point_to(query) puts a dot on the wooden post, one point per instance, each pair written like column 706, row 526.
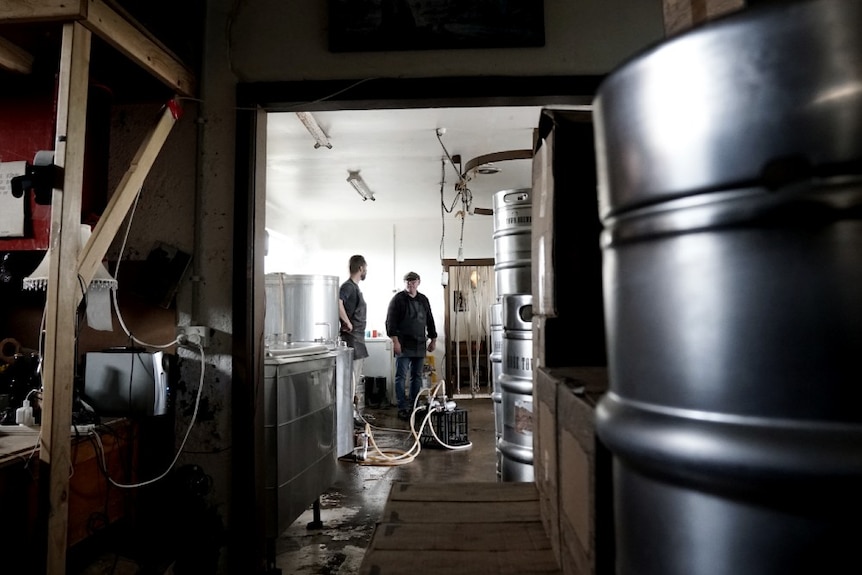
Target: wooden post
column 63, row 294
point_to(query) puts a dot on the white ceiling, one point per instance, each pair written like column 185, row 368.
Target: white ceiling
column 399, row 155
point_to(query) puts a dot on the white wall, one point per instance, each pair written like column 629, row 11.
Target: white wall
column 391, row 248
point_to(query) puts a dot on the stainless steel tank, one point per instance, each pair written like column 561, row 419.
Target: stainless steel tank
column 730, row 184
column 513, row 217
column 299, row 435
column 303, row 306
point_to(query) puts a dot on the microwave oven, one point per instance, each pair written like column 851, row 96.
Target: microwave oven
column 126, row 382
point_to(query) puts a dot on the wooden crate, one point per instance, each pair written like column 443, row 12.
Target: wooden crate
column 584, row 475
column 545, row 456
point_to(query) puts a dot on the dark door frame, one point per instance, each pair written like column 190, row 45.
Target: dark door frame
column 248, row 543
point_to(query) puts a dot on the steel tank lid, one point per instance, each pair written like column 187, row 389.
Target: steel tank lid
column 760, row 97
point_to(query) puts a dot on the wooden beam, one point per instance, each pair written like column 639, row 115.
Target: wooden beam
column 15, row 59
column 63, row 290
column 126, row 37
column 118, row 30
column 124, row 196
column 42, row 10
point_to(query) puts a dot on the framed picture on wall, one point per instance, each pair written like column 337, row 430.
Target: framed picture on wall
column 377, row 25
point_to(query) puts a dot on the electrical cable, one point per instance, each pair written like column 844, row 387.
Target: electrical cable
column 438, row 132
column 393, row 457
column 101, row 450
column 117, row 277
column 442, row 207
column 96, row 437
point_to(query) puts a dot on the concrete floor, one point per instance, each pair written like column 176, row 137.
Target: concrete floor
column 350, row 508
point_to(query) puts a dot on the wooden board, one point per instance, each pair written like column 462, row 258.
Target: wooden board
column 460, row 563
column 461, row 528
column 496, row 537
column 464, row 492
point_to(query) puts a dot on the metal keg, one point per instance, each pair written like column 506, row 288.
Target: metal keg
column 496, row 359
column 516, row 386
column 513, row 218
column 730, row 189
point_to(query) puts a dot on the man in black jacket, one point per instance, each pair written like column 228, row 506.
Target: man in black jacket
column 410, row 325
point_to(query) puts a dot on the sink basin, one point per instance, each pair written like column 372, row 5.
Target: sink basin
column 298, row 348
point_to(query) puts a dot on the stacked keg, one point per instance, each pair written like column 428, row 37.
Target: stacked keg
column 496, row 357
column 513, row 275
column 733, row 271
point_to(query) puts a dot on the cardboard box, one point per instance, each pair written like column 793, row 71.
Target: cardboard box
column 565, row 236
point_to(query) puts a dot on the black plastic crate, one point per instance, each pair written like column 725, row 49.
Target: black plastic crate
column 450, row 427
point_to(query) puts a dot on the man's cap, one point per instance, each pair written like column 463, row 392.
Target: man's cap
column 410, row 276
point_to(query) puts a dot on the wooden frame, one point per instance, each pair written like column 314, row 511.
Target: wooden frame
column 80, row 20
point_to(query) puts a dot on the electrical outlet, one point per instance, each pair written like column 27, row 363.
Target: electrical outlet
column 192, row 335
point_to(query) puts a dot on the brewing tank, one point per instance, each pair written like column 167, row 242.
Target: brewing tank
column 303, row 306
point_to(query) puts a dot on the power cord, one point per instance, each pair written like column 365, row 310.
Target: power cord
column 101, row 451
column 390, row 456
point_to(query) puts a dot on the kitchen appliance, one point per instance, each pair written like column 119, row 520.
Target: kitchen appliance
column 126, row 382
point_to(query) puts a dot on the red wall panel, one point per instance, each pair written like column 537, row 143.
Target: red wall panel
column 27, row 126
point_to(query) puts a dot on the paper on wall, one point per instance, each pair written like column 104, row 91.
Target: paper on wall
column 11, row 208
column 99, row 308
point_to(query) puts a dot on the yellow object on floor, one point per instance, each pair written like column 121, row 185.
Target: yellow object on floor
column 430, row 368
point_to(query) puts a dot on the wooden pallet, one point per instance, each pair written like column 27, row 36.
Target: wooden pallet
column 461, row 529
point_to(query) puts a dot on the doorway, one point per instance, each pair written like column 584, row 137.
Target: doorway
column 254, row 102
column 469, row 294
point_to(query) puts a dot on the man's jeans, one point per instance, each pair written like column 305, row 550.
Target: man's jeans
column 408, row 367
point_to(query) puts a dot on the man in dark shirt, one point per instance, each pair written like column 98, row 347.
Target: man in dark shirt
column 410, row 325
column 352, row 313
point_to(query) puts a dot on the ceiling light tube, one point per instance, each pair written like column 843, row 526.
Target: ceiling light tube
column 360, row 186
column 320, row 137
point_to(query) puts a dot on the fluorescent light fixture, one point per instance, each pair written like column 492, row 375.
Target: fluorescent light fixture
column 360, row 186
column 320, row 137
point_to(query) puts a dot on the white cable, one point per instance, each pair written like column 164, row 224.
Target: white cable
column 117, row 277
column 401, row 457
column 101, row 450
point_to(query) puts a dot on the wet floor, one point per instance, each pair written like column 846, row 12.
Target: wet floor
column 350, row 509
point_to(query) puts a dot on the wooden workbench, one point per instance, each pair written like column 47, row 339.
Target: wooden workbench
column 93, row 503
